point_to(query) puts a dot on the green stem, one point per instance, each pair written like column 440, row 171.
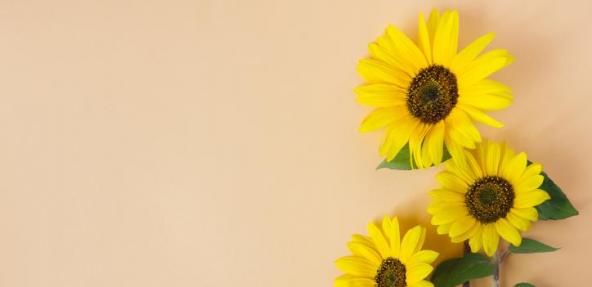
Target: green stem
column 497, row 260
column 466, row 250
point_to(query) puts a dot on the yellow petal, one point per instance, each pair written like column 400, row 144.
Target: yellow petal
column 410, row 242
column 462, row 225
column 363, row 239
column 397, row 137
column 508, row 232
column 485, row 65
column 435, row 143
column 513, row 170
column 465, row 57
column 454, row 149
column 493, row 158
column 380, row 118
column 468, row 234
column 433, row 24
column 405, row 49
column 507, row 156
column 476, row 241
column 376, row 71
column 415, row 144
column 443, row 206
column 486, row 86
column 530, row 198
column 530, row 183
column 531, row 170
column 392, row 235
column 380, row 95
column 461, row 129
column 518, row 222
column 356, row 266
column 348, row 280
column 418, row 273
column 459, row 167
column 383, row 52
column 481, row 155
column 490, row 239
column 365, row 251
column 486, row 95
column 447, row 195
column 443, row 229
column 529, row 213
column 487, row 102
column 451, row 181
column 449, row 216
column 464, row 126
column 425, row 152
column 379, row 240
column 480, row 116
column 424, row 39
column 385, row 45
column 395, row 237
column 421, row 241
column 423, row 256
column 475, row 166
column 446, row 39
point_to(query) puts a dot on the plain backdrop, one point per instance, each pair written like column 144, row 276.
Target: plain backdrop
column 214, row 142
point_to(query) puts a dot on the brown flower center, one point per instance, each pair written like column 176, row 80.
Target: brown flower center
column 391, row 273
column 432, row 94
column 490, row 198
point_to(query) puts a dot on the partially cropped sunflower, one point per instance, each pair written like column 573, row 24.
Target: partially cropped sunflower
column 383, row 260
column 427, row 94
column 487, row 193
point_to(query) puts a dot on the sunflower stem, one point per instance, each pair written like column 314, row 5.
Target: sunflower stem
column 497, row 260
column 466, row 250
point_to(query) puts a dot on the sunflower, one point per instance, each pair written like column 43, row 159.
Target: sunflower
column 427, row 95
column 383, row 260
column 489, row 192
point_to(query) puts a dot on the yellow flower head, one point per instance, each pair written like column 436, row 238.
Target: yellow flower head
column 383, row 260
column 487, row 193
column 427, row 94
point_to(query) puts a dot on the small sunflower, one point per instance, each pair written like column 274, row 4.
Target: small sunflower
column 487, row 193
column 383, row 260
column 427, row 95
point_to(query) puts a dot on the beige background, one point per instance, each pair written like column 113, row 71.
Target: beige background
column 215, row 143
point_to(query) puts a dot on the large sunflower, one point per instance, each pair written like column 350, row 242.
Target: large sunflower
column 487, row 193
column 383, row 260
column 427, row 95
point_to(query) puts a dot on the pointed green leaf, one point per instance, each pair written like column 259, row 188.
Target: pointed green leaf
column 524, row 284
column 558, row 207
column 531, row 246
column 403, row 160
column 459, row 270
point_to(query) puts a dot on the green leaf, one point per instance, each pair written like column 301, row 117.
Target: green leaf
column 531, row 246
column 459, row 270
column 524, row 284
column 403, row 160
column 558, row 207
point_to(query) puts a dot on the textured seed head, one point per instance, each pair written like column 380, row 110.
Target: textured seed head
column 391, row 273
column 432, row 94
column 489, row 199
